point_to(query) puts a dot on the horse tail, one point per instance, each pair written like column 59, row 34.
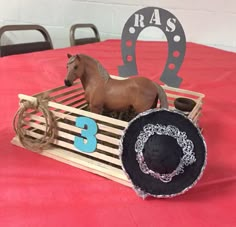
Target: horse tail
column 161, row 95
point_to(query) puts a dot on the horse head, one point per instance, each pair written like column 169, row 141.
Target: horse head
column 75, row 69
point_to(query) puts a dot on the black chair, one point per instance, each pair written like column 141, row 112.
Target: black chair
column 21, row 48
column 80, row 41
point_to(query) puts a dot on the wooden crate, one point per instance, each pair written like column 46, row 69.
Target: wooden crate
column 66, row 104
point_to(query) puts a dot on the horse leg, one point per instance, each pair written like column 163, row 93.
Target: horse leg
column 144, row 105
column 95, row 109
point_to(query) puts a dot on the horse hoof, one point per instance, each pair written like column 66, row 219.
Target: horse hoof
column 184, row 104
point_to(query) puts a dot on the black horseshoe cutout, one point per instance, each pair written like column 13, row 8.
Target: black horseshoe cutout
column 170, row 25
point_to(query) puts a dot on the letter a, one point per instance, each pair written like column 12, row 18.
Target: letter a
column 138, row 21
column 155, row 17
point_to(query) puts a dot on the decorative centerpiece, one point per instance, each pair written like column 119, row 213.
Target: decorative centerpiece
column 130, row 130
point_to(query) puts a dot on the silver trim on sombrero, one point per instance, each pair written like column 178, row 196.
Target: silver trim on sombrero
column 187, row 146
column 137, row 189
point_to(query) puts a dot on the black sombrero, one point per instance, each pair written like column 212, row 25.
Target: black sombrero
column 163, row 153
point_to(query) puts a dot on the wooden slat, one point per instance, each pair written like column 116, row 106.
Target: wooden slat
column 172, row 97
column 74, row 102
column 54, row 90
column 69, row 98
column 82, row 105
column 195, row 109
column 84, row 163
column 100, row 126
column 70, row 146
column 118, row 77
column 99, row 136
column 196, row 117
column 76, row 90
column 183, row 91
column 90, row 114
column 77, row 111
column 71, row 128
column 71, row 137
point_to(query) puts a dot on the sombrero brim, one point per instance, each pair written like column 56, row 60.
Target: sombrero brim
column 145, row 184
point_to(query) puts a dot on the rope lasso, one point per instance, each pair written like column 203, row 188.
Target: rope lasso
column 23, row 134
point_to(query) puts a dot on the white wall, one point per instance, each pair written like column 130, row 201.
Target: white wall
column 211, row 22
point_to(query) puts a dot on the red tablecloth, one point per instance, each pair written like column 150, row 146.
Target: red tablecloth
column 38, row 191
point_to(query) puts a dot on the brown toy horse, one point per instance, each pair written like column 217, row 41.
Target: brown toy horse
column 104, row 93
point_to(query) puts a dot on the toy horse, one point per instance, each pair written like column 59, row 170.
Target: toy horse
column 105, row 93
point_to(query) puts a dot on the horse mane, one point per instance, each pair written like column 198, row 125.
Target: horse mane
column 102, row 71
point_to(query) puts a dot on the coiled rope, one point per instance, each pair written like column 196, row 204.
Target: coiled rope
column 23, row 133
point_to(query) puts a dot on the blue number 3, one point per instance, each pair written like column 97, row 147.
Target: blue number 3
column 89, row 133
